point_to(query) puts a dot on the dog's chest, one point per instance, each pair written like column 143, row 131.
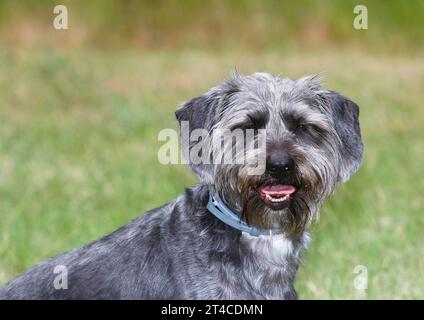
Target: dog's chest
column 268, row 269
column 273, row 249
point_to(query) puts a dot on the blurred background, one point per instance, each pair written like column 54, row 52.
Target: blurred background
column 80, row 111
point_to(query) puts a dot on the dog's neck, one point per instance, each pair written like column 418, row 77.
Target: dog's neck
column 217, row 206
column 276, row 249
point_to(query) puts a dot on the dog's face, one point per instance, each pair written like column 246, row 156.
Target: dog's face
column 312, row 137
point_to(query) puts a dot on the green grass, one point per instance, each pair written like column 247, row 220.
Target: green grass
column 394, row 25
column 78, row 155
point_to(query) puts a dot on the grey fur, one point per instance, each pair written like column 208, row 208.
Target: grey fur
column 181, row 251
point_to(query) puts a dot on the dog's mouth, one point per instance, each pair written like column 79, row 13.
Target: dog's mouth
column 276, row 196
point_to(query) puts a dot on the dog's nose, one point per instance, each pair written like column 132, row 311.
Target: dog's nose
column 279, row 163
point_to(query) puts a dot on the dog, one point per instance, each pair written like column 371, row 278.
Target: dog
column 234, row 235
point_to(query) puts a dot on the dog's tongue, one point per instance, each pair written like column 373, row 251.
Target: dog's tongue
column 277, row 190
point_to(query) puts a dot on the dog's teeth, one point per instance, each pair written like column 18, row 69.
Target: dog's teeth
column 270, row 198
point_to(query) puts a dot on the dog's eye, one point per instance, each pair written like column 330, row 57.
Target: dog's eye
column 302, row 127
column 252, row 123
column 310, row 132
column 308, row 128
column 246, row 125
column 292, row 124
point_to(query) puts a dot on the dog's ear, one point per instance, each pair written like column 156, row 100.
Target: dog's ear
column 198, row 112
column 346, row 122
column 202, row 113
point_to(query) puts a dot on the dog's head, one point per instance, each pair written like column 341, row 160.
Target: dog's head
column 312, row 142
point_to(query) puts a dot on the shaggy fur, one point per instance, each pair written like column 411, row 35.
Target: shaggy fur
column 182, row 251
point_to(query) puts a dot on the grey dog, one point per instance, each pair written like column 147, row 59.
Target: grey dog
column 233, row 235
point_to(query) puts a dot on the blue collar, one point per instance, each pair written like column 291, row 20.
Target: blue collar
column 220, row 210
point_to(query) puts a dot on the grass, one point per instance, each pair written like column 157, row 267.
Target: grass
column 394, row 25
column 78, row 155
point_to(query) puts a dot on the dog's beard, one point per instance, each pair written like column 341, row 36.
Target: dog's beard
column 292, row 219
column 241, row 194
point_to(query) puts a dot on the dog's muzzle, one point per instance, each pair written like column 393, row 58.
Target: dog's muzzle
column 276, row 192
